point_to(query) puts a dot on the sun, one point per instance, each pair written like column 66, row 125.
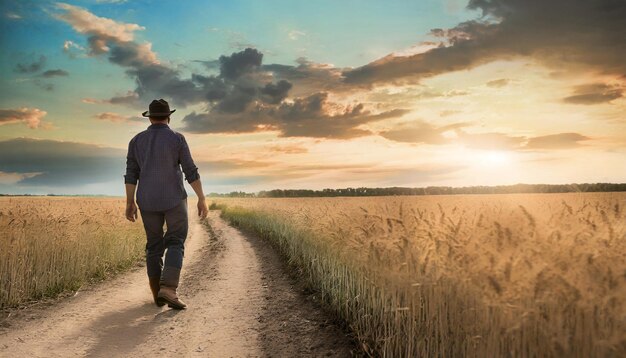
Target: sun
column 494, row 158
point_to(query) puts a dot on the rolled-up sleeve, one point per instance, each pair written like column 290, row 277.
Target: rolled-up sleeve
column 186, row 162
column 132, row 167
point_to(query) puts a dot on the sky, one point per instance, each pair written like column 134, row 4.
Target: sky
column 315, row 94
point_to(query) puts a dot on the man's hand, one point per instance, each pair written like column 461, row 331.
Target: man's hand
column 203, row 211
column 131, row 211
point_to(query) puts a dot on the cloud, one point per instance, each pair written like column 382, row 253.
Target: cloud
column 240, row 63
column 274, row 93
column 73, row 49
column 12, row 178
column 309, row 77
column 12, row 16
column 116, row 40
column 287, row 149
column 426, row 133
column 99, row 29
column 295, row 34
column 31, row 67
column 245, row 96
column 91, row 101
column 559, row 33
column 498, row 83
column 556, row 141
column 116, row 117
column 312, row 116
column 449, row 112
column 61, row 164
column 55, row 73
column 595, row 93
column 43, row 85
column 420, row 132
column 32, row 117
column 131, row 99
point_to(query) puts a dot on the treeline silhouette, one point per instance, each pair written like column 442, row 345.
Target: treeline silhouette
column 432, row 190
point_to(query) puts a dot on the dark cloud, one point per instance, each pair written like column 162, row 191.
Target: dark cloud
column 210, row 64
column 237, row 99
column 31, row 67
column 239, row 63
column 240, row 84
column 558, row 33
column 240, row 101
column 311, row 116
column 274, row 93
column 594, row 94
column 309, row 77
column 61, row 164
column 245, row 96
column 55, row 73
column 254, row 121
column 556, row 141
column 130, row 99
column 158, row 81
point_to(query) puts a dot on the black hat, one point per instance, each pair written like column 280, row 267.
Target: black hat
column 158, row 108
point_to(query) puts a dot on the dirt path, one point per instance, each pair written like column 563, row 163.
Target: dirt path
column 241, row 304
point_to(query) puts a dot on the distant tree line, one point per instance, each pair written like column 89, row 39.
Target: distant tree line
column 433, row 190
column 234, row 194
column 430, row 190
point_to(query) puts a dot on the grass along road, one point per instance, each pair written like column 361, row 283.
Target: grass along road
column 241, row 303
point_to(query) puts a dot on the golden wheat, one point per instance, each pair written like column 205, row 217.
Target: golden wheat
column 468, row 275
column 49, row 245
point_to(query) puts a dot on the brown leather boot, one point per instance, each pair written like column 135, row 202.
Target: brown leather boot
column 154, row 287
column 169, row 284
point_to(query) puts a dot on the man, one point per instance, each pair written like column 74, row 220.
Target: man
column 155, row 157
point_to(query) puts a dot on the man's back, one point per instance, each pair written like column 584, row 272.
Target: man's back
column 154, row 158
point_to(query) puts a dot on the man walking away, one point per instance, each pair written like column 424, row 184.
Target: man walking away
column 155, row 157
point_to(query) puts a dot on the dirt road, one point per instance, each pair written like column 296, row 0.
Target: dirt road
column 241, row 304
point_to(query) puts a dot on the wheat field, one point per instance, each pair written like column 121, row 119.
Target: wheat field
column 520, row 275
column 50, row 244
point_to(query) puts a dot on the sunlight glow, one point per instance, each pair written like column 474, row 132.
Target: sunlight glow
column 495, row 158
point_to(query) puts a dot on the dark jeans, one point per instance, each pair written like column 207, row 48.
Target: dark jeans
column 173, row 240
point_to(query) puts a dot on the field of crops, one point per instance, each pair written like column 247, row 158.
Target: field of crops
column 467, row 275
column 49, row 245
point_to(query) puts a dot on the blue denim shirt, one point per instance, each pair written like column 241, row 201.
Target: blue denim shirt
column 155, row 157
